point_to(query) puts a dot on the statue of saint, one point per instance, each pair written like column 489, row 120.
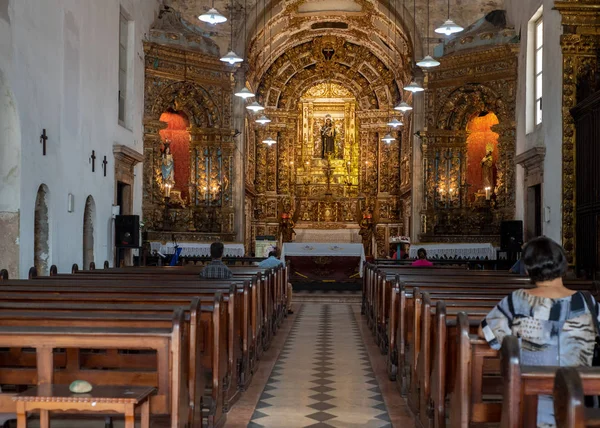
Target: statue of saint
column 168, row 165
column 328, row 134
column 487, row 171
column 286, row 228
column 367, row 229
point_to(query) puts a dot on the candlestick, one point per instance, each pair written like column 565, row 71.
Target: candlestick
column 488, row 193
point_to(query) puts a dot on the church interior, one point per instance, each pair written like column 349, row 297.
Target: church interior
column 365, row 177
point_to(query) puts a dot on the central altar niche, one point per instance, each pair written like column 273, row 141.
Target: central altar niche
column 327, row 152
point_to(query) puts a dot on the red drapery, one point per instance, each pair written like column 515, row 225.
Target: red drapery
column 481, row 135
column 177, row 133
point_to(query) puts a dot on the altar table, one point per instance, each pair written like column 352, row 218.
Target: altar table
column 451, row 251
column 318, row 261
column 197, row 249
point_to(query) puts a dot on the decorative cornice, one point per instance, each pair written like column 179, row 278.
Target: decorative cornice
column 127, row 154
column 532, row 158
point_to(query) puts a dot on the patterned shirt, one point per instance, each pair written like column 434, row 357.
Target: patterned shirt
column 551, row 332
column 216, row 270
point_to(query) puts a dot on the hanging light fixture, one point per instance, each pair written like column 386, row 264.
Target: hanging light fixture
column 244, row 93
column 255, row 107
column 263, row 120
column 428, row 61
column 449, row 27
column 403, row 107
column 414, row 87
column 269, row 141
column 394, row 123
column 231, row 57
column 388, row 138
column 212, row 16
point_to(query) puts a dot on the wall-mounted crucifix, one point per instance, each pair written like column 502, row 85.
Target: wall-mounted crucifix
column 43, row 139
column 104, row 162
column 93, row 160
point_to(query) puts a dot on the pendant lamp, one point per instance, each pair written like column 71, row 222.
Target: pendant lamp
column 244, row 93
column 403, row 107
column 414, row 87
column 388, row 138
column 231, row 58
column 428, row 62
column 255, row 107
column 394, row 123
column 449, row 27
column 269, row 141
column 263, row 120
column 212, row 16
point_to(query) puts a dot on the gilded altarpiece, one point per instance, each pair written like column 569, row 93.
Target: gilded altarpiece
column 324, row 185
column 468, row 146
column 196, row 203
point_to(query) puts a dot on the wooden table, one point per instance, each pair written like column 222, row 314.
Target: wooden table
column 108, row 399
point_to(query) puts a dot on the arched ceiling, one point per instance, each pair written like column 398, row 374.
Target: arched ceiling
column 285, row 15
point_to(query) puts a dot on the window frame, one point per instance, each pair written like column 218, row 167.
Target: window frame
column 538, row 71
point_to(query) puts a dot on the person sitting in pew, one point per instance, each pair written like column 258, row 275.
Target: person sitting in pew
column 554, row 324
column 271, row 262
column 216, row 269
column 422, row 260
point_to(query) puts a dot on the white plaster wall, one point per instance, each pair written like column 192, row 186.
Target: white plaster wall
column 62, row 65
column 549, row 133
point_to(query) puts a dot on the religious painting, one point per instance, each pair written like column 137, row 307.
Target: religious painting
column 329, row 137
column 482, row 156
column 175, row 155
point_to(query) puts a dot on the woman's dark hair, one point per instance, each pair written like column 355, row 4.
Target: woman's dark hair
column 421, row 253
column 544, row 259
column 216, row 250
column 273, row 253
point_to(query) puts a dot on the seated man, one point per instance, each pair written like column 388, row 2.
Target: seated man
column 271, row 262
column 216, row 269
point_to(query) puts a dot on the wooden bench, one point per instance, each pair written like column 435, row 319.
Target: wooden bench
column 168, row 378
column 119, row 399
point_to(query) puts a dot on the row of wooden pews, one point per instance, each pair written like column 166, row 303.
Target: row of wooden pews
column 425, row 321
column 196, row 341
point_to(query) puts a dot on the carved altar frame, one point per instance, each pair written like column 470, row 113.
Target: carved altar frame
column 201, row 87
column 465, row 85
column 580, row 44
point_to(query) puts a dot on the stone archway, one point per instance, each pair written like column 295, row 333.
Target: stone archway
column 89, row 216
column 41, row 256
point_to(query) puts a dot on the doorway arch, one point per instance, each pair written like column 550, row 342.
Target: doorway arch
column 89, row 215
column 41, row 256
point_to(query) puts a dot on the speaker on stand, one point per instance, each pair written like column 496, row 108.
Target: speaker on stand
column 511, row 238
column 127, row 234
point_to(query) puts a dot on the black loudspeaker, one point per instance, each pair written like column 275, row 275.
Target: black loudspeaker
column 511, row 236
column 127, row 231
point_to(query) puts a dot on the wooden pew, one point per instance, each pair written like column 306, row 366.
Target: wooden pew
column 168, row 343
column 522, row 385
column 568, row 393
column 217, row 359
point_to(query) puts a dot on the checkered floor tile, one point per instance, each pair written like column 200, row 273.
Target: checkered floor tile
column 323, row 377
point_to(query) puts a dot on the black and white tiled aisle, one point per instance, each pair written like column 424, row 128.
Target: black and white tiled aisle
column 323, row 377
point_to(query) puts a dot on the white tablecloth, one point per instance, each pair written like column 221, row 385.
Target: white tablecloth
column 324, row 250
column 464, row 251
column 196, row 249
